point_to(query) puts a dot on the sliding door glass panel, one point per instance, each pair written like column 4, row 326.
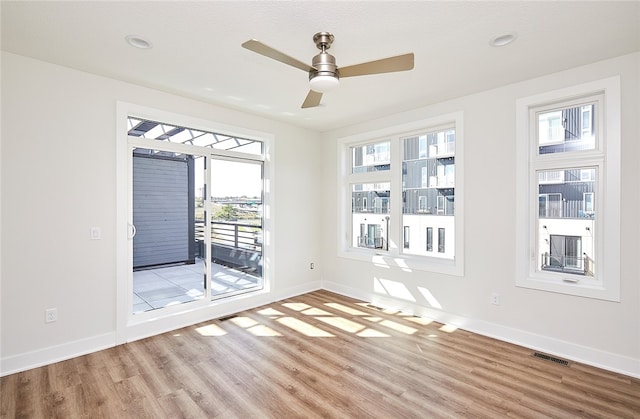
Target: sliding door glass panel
column 168, row 216
column 236, row 216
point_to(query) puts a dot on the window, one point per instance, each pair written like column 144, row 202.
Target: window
column 567, row 129
column 429, row 177
column 550, row 127
column 406, row 237
column 422, row 203
column 565, row 254
column 400, row 183
column 586, row 122
column 550, row 205
column 587, row 204
column 370, row 157
column 568, row 155
column 441, row 240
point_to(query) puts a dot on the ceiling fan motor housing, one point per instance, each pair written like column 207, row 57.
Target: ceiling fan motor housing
column 324, row 64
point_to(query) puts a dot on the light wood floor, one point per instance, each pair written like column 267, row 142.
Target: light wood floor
column 317, row 355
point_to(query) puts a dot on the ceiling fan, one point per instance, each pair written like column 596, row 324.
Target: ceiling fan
column 324, row 74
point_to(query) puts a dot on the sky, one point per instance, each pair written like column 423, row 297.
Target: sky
column 231, row 178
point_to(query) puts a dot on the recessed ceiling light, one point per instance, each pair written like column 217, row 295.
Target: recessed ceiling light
column 138, row 42
column 502, row 40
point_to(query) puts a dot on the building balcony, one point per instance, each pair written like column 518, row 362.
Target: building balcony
column 447, row 149
column 371, row 242
column 568, row 264
column 441, row 182
column 236, row 266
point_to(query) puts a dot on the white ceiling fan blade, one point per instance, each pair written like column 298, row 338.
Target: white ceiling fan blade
column 312, row 100
column 267, row 51
column 386, row 65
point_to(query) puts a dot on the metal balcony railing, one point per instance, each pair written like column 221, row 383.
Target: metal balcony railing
column 233, row 244
column 571, row 264
column 371, row 242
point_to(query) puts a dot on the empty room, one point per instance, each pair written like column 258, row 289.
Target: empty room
column 337, row 209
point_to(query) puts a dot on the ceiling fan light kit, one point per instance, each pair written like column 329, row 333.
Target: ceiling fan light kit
column 323, row 84
column 324, row 74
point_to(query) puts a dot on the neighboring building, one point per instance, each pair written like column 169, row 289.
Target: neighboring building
column 428, row 195
column 566, row 197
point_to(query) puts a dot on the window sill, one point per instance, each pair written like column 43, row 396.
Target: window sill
column 569, row 285
column 407, row 263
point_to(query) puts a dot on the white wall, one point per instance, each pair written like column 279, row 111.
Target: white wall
column 59, row 179
column 598, row 332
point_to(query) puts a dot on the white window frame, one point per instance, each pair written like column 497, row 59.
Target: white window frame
column 605, row 284
column 394, row 256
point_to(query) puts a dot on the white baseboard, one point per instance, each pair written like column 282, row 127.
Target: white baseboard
column 578, row 353
column 57, row 353
column 52, row 354
column 601, row 359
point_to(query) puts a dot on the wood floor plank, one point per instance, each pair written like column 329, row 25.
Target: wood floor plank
column 318, row 355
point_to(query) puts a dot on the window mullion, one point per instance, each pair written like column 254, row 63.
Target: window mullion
column 395, row 224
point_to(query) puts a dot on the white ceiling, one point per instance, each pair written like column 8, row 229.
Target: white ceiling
column 197, row 50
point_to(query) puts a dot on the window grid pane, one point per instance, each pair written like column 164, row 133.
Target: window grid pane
column 569, row 129
column 371, row 157
column 428, row 189
column 566, row 220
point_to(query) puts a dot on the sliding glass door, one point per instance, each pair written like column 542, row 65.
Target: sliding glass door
column 196, row 218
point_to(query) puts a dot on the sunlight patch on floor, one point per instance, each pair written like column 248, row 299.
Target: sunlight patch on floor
column 449, row 328
column 263, row 331
column 211, row 330
column 296, row 306
column 316, row 312
column 342, row 323
column 243, row 322
column 372, row 333
column 345, row 309
column 304, row 328
column 398, row 327
column 272, row 312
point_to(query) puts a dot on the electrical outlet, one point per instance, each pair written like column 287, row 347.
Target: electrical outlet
column 312, row 265
column 495, row 299
column 51, row 315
